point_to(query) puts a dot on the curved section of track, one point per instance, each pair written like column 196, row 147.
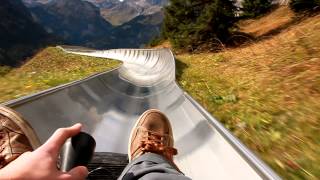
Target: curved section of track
column 142, row 67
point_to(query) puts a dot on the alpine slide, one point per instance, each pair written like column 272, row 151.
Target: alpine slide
column 107, row 104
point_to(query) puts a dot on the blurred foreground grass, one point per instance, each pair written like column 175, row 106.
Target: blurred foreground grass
column 268, row 94
column 49, row 68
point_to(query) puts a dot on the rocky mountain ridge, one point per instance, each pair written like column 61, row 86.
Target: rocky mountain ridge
column 117, row 12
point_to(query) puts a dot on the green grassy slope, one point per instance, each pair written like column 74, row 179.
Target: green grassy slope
column 267, row 93
column 49, row 68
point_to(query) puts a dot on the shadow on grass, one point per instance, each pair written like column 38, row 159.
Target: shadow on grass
column 239, row 38
column 279, row 29
column 180, row 67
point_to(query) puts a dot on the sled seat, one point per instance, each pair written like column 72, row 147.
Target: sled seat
column 111, row 165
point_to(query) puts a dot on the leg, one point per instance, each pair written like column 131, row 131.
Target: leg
column 151, row 166
column 151, row 150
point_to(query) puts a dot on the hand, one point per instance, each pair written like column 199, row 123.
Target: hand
column 42, row 162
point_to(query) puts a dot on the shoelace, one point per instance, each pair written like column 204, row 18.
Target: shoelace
column 153, row 142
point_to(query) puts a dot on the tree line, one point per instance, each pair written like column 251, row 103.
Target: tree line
column 189, row 24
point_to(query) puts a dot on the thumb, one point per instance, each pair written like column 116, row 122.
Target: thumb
column 79, row 172
column 56, row 141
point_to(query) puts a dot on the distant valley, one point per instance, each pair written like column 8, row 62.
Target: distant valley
column 117, row 12
column 100, row 23
column 27, row 25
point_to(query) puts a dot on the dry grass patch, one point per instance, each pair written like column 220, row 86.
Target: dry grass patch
column 279, row 18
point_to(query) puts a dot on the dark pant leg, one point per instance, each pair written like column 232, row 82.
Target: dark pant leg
column 151, row 166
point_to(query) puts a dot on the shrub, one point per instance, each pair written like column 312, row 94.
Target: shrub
column 254, row 8
column 190, row 23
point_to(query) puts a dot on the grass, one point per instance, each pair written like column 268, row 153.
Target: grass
column 49, row 68
column 267, row 94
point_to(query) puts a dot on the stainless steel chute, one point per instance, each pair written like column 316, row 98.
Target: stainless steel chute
column 107, row 104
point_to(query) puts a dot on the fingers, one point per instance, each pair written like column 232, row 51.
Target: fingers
column 80, row 172
column 56, row 141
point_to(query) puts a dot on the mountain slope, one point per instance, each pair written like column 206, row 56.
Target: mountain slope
column 90, row 29
column 266, row 92
column 143, row 28
column 77, row 22
column 19, row 34
column 119, row 12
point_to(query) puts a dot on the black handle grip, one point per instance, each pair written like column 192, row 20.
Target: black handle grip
column 77, row 151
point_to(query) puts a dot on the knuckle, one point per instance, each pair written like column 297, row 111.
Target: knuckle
column 61, row 131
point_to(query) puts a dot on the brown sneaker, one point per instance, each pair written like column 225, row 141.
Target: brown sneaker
column 152, row 133
column 16, row 136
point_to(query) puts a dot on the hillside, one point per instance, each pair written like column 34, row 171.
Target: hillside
column 274, row 22
column 119, row 12
column 20, row 36
column 143, row 28
column 266, row 92
column 62, row 18
column 49, row 68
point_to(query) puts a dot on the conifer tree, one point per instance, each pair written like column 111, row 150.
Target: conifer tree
column 190, row 23
column 254, row 8
column 302, row 5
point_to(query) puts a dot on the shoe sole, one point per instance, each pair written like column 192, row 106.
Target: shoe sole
column 136, row 125
column 23, row 125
